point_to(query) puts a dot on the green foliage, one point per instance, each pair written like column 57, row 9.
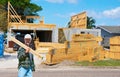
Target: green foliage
column 90, row 22
column 22, row 7
column 68, row 24
column 2, row 2
column 99, row 63
column 3, row 19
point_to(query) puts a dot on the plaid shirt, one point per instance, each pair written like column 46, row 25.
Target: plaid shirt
column 25, row 59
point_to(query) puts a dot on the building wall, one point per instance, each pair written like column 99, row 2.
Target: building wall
column 106, row 37
column 68, row 32
column 71, row 31
column 55, row 35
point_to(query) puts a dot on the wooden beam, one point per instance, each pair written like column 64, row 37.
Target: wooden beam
column 37, row 17
column 32, row 26
column 25, row 47
column 15, row 16
column 54, row 45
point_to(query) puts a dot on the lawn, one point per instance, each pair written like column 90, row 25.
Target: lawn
column 109, row 62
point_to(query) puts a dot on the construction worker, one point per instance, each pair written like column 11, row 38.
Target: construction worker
column 26, row 61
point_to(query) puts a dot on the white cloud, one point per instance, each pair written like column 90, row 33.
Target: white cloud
column 62, row 1
column 113, row 13
column 65, row 15
column 106, row 17
column 94, row 14
column 61, row 15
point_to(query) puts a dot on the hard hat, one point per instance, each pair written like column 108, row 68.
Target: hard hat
column 27, row 36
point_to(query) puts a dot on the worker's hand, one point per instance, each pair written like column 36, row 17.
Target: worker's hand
column 27, row 50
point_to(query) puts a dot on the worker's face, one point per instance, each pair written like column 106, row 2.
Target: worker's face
column 27, row 41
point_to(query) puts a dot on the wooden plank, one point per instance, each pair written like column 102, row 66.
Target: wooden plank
column 115, row 40
column 115, row 48
column 25, row 47
column 79, row 20
column 115, row 44
column 37, row 17
column 43, row 50
column 54, row 45
column 14, row 12
column 15, row 16
column 32, row 26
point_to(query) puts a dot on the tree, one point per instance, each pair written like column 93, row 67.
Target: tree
column 22, row 7
column 68, row 24
column 90, row 22
column 3, row 19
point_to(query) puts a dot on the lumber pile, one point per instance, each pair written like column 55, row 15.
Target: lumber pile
column 57, row 51
column 115, row 44
column 114, row 47
column 82, row 47
column 85, row 47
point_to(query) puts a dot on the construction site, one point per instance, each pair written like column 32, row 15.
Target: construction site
column 54, row 45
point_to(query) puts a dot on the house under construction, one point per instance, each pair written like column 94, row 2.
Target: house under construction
column 46, row 32
column 58, row 44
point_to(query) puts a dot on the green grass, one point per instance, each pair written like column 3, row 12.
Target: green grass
column 99, row 63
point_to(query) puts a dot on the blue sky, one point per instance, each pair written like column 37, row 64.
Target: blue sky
column 59, row 12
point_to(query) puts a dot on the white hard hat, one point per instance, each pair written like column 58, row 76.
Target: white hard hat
column 27, row 36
